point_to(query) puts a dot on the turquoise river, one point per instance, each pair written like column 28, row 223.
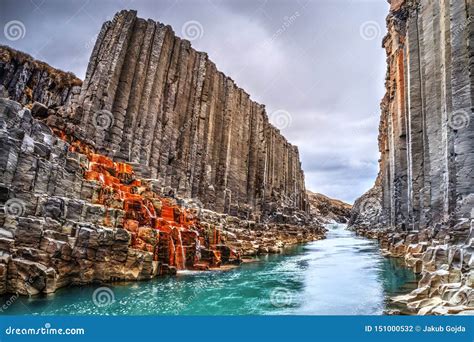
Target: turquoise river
column 341, row 275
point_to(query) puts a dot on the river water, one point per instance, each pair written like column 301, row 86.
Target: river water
column 341, row 275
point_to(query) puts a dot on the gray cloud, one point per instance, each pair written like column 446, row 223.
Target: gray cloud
column 308, row 58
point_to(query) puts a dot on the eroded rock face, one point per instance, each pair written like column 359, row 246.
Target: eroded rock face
column 73, row 216
column 421, row 207
column 167, row 108
column 328, row 209
column 426, row 137
column 27, row 80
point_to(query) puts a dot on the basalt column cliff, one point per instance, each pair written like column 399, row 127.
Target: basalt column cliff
column 421, row 207
column 101, row 179
column 426, row 135
column 171, row 111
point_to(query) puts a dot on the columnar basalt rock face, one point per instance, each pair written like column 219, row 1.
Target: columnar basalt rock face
column 421, row 207
column 184, row 122
column 73, row 216
column 96, row 180
column 27, row 80
column 426, row 135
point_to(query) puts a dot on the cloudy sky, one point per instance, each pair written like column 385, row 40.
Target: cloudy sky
column 318, row 65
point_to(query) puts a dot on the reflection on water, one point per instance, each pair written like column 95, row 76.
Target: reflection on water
column 343, row 274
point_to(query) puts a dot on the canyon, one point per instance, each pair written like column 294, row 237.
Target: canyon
column 155, row 163
column 421, row 206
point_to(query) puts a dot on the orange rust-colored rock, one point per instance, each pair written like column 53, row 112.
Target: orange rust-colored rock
column 148, row 217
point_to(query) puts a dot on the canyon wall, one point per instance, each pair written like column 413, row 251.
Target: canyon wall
column 426, row 133
column 101, row 179
column 72, row 216
column 421, row 206
column 150, row 99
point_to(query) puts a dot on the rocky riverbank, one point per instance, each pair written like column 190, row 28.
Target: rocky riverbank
column 447, row 278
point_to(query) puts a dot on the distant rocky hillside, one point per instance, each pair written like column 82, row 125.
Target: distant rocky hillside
column 325, row 208
column 25, row 80
column 367, row 210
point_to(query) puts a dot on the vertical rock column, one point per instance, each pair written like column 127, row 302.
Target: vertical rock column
column 426, row 135
column 172, row 113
